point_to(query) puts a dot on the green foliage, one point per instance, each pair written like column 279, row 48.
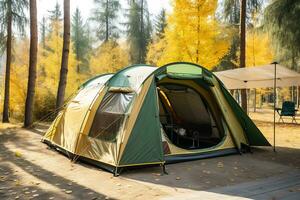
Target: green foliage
column 231, row 10
column 105, row 15
column 81, row 42
column 160, row 23
column 43, row 30
column 17, row 10
column 56, row 13
column 282, row 20
column 139, row 30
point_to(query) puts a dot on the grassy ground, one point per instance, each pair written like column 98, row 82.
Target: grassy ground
column 30, row 170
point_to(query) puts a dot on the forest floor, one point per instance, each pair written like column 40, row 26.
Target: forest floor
column 30, row 170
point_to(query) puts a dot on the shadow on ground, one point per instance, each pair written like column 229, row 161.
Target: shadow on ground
column 12, row 187
column 215, row 175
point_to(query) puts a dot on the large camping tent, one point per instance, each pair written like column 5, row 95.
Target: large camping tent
column 145, row 115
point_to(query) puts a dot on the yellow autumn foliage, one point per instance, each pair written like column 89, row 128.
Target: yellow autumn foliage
column 48, row 69
column 108, row 58
column 18, row 79
column 258, row 49
column 49, row 62
column 193, row 34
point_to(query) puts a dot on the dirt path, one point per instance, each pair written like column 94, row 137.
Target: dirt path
column 29, row 170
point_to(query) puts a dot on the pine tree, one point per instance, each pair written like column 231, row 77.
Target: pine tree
column 105, row 15
column 55, row 14
column 81, row 41
column 139, row 30
column 43, row 30
column 161, row 23
column 11, row 15
column 55, row 17
column 282, row 20
column 238, row 11
column 231, row 16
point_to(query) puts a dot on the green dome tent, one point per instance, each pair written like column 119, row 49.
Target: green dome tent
column 145, row 115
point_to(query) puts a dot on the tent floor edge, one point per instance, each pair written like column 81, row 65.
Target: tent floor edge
column 64, row 152
column 101, row 165
column 171, row 159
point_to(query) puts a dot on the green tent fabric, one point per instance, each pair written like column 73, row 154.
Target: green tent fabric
column 254, row 135
column 145, row 137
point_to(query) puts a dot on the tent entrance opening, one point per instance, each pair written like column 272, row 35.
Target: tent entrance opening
column 187, row 118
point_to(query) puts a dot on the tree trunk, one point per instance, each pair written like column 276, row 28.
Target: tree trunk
column 32, row 65
column 243, row 49
column 141, row 60
column 65, row 57
column 106, row 22
column 5, row 118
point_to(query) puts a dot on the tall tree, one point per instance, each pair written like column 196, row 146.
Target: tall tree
column 43, row 30
column 243, row 49
column 81, row 41
column 55, row 14
column 11, row 15
column 65, row 57
column 282, row 20
column 138, row 30
column 161, row 23
column 105, row 15
column 238, row 12
column 32, row 64
column 55, row 17
column 193, row 35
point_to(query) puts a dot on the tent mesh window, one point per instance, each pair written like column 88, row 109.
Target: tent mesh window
column 110, row 115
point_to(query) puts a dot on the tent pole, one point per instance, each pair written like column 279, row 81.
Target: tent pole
column 298, row 99
column 274, row 109
column 254, row 102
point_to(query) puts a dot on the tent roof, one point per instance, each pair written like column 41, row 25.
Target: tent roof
column 258, row 77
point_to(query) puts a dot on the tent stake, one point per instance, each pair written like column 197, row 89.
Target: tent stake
column 163, row 169
column 274, row 99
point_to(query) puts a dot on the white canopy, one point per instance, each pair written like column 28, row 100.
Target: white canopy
column 258, row 77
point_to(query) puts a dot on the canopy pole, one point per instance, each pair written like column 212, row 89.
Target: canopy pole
column 254, row 101
column 274, row 109
column 298, row 99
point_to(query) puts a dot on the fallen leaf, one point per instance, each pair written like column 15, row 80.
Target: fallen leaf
column 69, row 191
column 220, row 165
column 18, row 154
